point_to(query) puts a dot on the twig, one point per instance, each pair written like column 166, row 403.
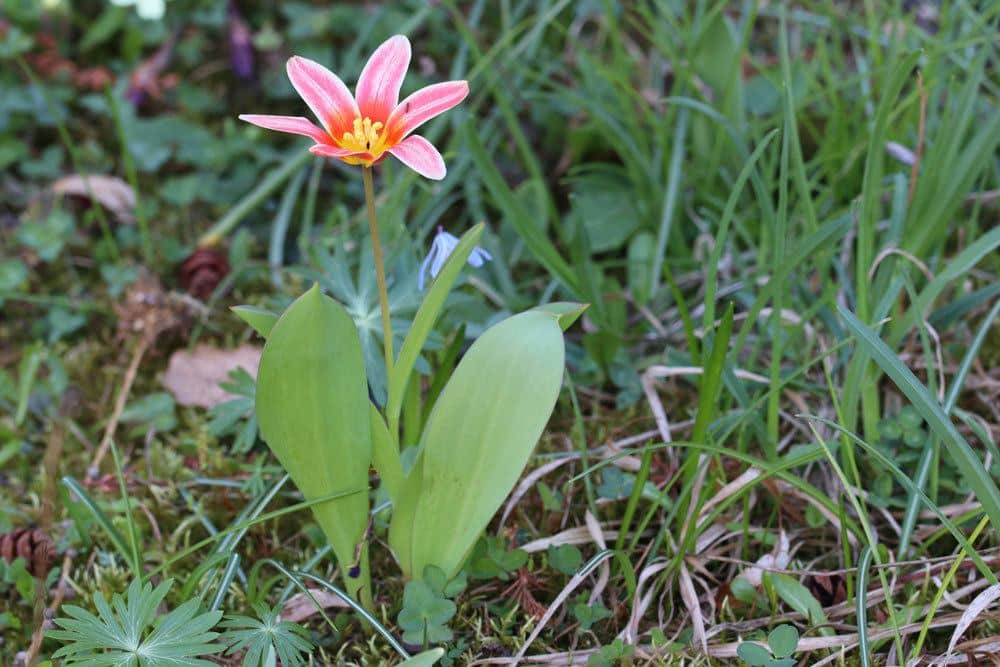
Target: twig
column 123, row 393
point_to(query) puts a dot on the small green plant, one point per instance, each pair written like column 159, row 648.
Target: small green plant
column 491, row 559
column 565, row 558
column 428, row 606
column 425, row 615
column 265, row 636
column 588, row 614
column 615, row 653
column 781, row 643
column 129, row 632
column 236, row 416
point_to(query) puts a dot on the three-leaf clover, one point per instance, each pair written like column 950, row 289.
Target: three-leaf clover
column 259, row 636
column 781, row 642
column 425, row 615
column 128, row 632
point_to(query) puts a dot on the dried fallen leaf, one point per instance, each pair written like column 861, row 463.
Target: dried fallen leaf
column 300, row 606
column 193, row 377
column 110, row 192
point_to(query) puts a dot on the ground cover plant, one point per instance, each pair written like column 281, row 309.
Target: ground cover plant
column 674, row 341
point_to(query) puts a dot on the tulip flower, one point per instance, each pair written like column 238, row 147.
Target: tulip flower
column 365, row 128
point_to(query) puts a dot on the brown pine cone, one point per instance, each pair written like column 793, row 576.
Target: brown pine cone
column 202, row 271
column 31, row 544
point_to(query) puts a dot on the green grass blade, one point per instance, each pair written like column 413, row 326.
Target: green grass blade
column 971, row 467
column 861, row 606
column 102, row 519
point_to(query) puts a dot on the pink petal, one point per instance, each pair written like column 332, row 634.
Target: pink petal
column 420, row 155
column 382, row 77
column 325, row 94
column 292, row 124
column 424, row 104
column 326, row 150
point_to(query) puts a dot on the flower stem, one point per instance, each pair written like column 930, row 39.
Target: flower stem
column 383, row 293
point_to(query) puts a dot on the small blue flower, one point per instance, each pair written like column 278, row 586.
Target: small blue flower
column 441, row 248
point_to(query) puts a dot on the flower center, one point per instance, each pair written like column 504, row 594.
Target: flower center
column 365, row 138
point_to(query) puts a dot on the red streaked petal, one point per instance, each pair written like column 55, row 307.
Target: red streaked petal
column 378, row 86
column 325, row 94
column 420, row 155
column 291, row 124
column 424, row 104
column 326, row 150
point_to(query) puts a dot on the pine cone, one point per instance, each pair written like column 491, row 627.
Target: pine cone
column 31, row 544
column 202, row 272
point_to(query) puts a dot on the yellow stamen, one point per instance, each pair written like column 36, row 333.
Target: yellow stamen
column 365, row 138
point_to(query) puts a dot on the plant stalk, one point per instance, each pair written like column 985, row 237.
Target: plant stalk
column 383, row 293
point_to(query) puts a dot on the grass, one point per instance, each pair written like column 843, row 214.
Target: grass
column 789, row 360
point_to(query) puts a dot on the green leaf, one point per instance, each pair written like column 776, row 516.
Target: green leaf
column 313, row 411
column 783, row 640
column 479, row 436
column 798, row 597
column 490, row 559
column 385, row 455
column 129, row 632
column 567, row 311
column 425, row 614
column 425, row 659
column 439, row 583
column 424, row 321
column 259, row 319
column 753, row 654
column 587, row 614
column 965, row 459
column 257, row 637
column 565, row 558
column 102, row 519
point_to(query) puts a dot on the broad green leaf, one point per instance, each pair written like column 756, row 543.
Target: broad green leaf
column 385, row 455
column 424, row 321
column 567, row 311
column 404, row 507
column 262, row 321
column 313, row 410
column 479, row 436
column 969, row 465
column 425, row 659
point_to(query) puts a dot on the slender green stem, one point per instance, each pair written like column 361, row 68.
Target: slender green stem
column 383, row 293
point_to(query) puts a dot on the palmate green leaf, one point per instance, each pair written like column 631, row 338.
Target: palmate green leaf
column 312, row 408
column 259, row 636
column 127, row 633
column 477, row 440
